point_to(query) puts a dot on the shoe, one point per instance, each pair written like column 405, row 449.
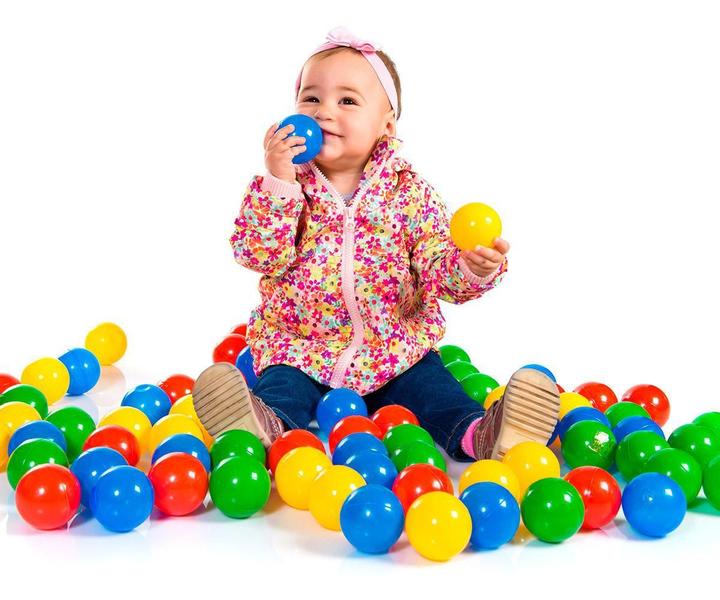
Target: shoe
column 223, row 401
column 527, row 411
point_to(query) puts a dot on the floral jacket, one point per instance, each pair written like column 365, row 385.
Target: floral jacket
column 349, row 292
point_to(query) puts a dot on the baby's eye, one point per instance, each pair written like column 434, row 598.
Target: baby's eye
column 310, row 98
column 348, row 98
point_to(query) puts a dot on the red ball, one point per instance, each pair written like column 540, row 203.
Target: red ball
column 180, row 483
column 560, row 388
column 294, row 438
column 115, row 437
column 351, row 424
column 391, row 415
column 652, row 399
column 600, row 494
column 48, row 496
column 229, row 348
column 240, row 329
column 176, row 386
column 599, row 394
column 418, row 479
column 6, row 381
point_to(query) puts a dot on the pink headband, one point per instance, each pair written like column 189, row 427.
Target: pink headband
column 340, row 36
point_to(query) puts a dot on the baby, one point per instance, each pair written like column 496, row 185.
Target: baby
column 355, row 252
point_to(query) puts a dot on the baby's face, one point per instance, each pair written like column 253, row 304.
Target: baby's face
column 352, row 119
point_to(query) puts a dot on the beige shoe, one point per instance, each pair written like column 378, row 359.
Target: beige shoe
column 223, row 401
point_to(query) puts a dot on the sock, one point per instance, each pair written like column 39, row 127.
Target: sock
column 467, row 439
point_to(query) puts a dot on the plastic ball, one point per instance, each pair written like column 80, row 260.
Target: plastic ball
column 245, row 364
column 418, row 479
column 289, row 440
column 12, row 416
column 132, row 419
column 600, row 494
column 631, row 424
column 28, row 394
column 475, row 224
column 185, row 406
column 150, row 399
column 652, row 399
column 570, row 401
column 582, row 413
column 531, row 461
column 679, row 466
column 237, row 442
column 6, row 381
column 90, row 465
column 180, row 483
column 177, row 386
column 351, row 424
column 375, row 467
column 241, row 329
column 494, row 396
column 372, row 519
column 48, row 496
column 589, row 443
column 240, row 486
column 711, row 482
column 495, row 514
column 711, row 420
column 122, row 498
column 450, row 353
column 419, row 452
column 635, row 450
column 478, row 386
column 107, row 342
column 308, row 128
column 329, row 491
column 403, row 435
column 183, row 442
column 171, row 425
column 654, row 505
column 391, row 415
column 30, row 454
column 115, row 437
column 229, row 348
column 552, row 510
column 492, row 471
column 337, row 404
column 84, row 369
column 438, row 526
column 542, row 369
column 50, row 376
column 295, row 473
column 622, row 410
column 702, row 443
column 460, row 369
column 600, row 395
column 357, row 443
column 34, row 430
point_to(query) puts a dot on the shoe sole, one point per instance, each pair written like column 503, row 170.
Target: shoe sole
column 530, row 411
column 222, row 400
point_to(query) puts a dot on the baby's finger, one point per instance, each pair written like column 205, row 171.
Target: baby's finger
column 474, row 258
column 489, row 253
column 269, row 133
column 501, row 245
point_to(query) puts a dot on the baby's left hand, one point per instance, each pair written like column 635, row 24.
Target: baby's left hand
column 484, row 261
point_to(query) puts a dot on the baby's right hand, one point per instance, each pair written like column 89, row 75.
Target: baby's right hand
column 279, row 151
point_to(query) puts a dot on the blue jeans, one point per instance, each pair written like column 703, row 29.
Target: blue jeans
column 427, row 388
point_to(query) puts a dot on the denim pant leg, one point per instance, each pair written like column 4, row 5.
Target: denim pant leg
column 441, row 405
column 291, row 393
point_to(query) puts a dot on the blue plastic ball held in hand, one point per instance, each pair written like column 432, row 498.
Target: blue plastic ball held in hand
column 308, row 128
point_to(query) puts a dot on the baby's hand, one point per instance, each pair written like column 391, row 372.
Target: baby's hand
column 279, row 151
column 484, row 260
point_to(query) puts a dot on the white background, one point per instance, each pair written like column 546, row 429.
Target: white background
column 129, row 130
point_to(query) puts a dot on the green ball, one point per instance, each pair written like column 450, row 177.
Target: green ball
column 418, row 452
column 710, row 420
column 634, row 451
column 478, row 386
column 678, row 466
column 450, row 353
column 28, row 394
column 711, row 482
column 76, row 425
column 240, row 486
column 403, row 435
column 31, row 453
column 589, row 443
column 701, row 442
column 622, row 410
column 552, row 510
column 460, row 369
column 236, row 442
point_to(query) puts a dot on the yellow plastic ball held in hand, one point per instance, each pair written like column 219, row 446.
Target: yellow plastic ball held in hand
column 329, row 491
column 50, row 376
column 185, row 406
column 296, row 472
column 438, row 526
column 107, row 342
column 170, row 425
column 475, row 224
column 12, row 416
column 570, row 401
column 132, row 419
column 490, row 470
column 531, row 461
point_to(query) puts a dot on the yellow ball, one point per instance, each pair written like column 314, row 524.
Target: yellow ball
column 132, row 419
column 50, row 376
column 438, row 525
column 295, row 473
column 4, row 440
column 107, row 342
column 490, row 470
column 12, row 416
column 571, row 400
column 496, row 394
column 185, row 406
column 531, row 461
column 170, row 425
column 328, row 492
column 475, row 224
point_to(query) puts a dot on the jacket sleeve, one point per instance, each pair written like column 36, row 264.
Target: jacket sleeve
column 437, row 261
column 265, row 230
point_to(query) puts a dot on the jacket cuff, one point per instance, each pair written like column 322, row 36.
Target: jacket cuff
column 475, row 279
column 280, row 187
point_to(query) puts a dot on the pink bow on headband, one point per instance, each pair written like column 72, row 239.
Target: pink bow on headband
column 343, row 37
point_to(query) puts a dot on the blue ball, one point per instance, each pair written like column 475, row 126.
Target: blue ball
column 654, row 504
column 308, row 128
column 35, row 430
column 244, row 362
column 375, row 467
column 84, row 369
column 372, row 519
column 184, row 442
column 338, row 404
column 90, row 465
column 355, row 443
column 537, row 367
column 581, row 413
column 554, row 433
column 636, row 423
column 494, row 512
column 122, row 498
column 150, row 399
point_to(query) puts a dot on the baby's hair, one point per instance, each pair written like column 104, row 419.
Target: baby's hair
column 384, row 57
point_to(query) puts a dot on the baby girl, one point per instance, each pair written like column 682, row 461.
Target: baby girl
column 355, row 252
